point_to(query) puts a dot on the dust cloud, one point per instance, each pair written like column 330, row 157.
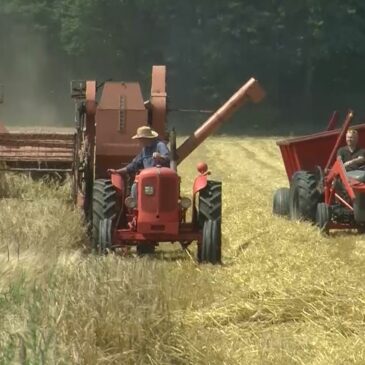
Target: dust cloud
column 35, row 81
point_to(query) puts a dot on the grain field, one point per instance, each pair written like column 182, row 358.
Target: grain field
column 284, row 294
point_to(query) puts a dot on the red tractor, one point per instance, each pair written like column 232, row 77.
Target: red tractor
column 160, row 212
column 321, row 190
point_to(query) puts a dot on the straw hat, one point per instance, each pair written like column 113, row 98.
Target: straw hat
column 145, row 132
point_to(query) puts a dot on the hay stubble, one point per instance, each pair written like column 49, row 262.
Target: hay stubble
column 285, row 294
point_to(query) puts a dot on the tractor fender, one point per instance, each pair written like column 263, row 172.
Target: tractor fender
column 200, row 183
column 118, row 183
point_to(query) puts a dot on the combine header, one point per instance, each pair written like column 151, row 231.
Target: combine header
column 37, row 151
column 41, row 150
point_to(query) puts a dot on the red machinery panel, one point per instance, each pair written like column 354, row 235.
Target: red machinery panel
column 305, row 153
column 119, row 113
column 158, row 196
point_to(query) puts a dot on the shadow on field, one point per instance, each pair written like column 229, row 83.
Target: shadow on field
column 168, row 255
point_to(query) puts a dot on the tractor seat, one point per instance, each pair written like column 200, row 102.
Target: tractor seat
column 357, row 175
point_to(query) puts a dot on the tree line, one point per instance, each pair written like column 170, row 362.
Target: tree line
column 308, row 54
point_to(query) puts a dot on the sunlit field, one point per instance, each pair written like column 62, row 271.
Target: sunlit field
column 284, row 294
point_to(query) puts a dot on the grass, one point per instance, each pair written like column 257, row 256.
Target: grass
column 285, row 294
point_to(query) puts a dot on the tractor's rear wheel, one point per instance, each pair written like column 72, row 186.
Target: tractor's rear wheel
column 323, row 217
column 209, row 250
column 281, row 202
column 210, row 202
column 303, row 196
column 103, row 213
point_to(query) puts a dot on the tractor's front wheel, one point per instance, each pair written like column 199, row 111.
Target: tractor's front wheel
column 103, row 214
column 210, row 249
column 323, row 217
column 280, row 204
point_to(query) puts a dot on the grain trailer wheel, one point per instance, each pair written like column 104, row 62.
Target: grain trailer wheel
column 323, row 217
column 281, row 202
column 303, row 196
column 104, row 208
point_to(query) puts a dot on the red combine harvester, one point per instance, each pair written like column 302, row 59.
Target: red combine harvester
column 107, row 116
column 321, row 190
column 159, row 214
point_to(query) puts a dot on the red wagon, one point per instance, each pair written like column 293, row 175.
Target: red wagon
column 321, row 190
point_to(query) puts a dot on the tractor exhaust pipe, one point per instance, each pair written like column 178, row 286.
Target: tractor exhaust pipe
column 173, row 157
column 251, row 90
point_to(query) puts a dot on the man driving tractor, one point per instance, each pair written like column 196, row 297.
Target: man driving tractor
column 352, row 156
column 154, row 152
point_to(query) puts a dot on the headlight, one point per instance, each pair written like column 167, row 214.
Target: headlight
column 130, row 202
column 185, row 203
column 149, row 190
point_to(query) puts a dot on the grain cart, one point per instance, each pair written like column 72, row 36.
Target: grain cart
column 160, row 213
column 321, row 190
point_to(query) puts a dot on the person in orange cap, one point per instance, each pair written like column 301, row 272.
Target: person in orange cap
column 154, row 152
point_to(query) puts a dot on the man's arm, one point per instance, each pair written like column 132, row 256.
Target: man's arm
column 132, row 167
column 135, row 165
column 340, row 153
column 357, row 161
column 162, row 154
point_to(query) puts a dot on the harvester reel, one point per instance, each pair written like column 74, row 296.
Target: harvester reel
column 281, row 202
column 304, row 196
column 210, row 249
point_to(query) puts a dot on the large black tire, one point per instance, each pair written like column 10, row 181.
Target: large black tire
column 323, row 217
column 210, row 250
column 105, row 236
column 104, row 207
column 303, row 196
column 210, row 202
column 280, row 204
column 359, row 208
column 210, row 210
